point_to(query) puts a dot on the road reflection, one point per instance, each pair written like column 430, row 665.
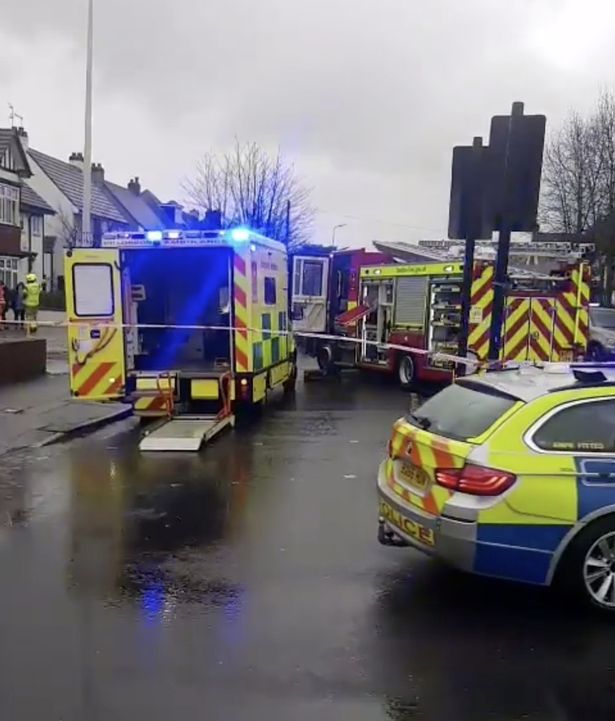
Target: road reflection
column 471, row 649
column 135, row 518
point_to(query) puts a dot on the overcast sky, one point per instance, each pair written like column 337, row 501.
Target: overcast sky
column 367, row 96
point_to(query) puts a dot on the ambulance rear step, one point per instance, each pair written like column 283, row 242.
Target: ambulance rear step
column 187, row 433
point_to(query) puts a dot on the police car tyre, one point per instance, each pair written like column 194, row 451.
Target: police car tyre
column 588, row 568
column 406, row 371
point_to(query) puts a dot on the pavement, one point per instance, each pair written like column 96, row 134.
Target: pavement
column 246, row 582
column 41, row 411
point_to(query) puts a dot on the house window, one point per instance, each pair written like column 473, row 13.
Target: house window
column 9, row 205
column 36, row 222
column 270, row 294
column 8, row 271
column 8, row 162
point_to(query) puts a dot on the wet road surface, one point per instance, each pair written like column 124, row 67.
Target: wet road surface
column 247, row 583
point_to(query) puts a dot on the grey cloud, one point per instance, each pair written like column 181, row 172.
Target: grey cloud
column 380, row 89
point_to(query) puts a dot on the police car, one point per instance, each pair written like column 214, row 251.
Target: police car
column 511, row 474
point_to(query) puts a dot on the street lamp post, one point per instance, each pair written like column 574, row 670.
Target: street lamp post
column 86, row 217
column 336, row 227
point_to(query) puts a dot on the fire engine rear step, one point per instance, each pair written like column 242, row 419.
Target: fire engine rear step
column 185, row 434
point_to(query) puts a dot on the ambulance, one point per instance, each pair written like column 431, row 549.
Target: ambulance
column 187, row 326
column 420, row 307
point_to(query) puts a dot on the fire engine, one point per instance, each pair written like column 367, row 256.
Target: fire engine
column 187, row 326
column 420, row 307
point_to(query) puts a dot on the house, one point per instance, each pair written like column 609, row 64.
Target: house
column 13, row 168
column 137, row 206
column 33, row 212
column 22, row 212
column 60, row 183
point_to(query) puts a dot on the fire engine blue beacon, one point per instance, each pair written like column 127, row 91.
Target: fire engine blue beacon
column 154, row 236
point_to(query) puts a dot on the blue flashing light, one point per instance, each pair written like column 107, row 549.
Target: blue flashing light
column 174, row 234
column 253, row 247
column 240, row 235
column 154, row 236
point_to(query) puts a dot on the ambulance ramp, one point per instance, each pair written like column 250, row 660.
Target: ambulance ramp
column 184, row 434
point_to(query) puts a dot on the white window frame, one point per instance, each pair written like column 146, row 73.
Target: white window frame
column 9, row 270
column 298, row 264
column 9, row 205
column 36, row 225
column 528, row 437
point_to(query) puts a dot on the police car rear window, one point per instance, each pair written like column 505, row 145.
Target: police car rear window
column 462, row 411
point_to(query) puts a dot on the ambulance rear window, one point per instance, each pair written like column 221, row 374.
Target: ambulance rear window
column 462, row 411
column 93, row 290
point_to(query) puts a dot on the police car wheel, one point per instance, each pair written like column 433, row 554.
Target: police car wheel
column 589, row 566
column 406, row 371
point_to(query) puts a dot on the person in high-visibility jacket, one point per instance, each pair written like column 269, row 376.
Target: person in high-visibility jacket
column 32, row 301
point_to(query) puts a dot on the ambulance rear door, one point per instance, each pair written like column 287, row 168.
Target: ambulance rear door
column 95, row 315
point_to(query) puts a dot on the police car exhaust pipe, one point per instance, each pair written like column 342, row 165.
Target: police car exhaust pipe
column 389, row 538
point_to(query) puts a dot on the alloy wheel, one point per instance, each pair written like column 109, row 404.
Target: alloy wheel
column 599, row 571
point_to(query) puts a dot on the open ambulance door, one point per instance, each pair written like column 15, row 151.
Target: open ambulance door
column 309, row 293
column 95, row 335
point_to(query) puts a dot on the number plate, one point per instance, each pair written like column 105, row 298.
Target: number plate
column 408, row 526
column 413, row 475
column 566, row 356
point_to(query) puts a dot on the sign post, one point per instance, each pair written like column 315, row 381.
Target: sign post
column 465, row 218
column 516, row 144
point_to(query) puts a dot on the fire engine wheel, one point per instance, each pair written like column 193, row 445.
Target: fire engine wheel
column 406, row 371
column 324, row 358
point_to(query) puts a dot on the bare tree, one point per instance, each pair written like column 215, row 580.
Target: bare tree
column 68, row 234
column 578, row 190
column 571, row 176
column 252, row 188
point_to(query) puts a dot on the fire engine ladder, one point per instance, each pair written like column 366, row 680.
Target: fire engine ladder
column 190, row 432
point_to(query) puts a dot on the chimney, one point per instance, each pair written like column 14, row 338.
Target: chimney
column 134, row 186
column 23, row 137
column 76, row 159
column 98, row 173
column 213, row 219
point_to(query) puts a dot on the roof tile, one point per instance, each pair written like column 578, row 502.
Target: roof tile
column 69, row 180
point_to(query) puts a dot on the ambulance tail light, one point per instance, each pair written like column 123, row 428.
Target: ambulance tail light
column 475, row 480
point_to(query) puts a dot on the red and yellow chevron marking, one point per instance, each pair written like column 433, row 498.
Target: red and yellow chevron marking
column 480, row 309
column 427, row 452
column 542, row 329
column 97, row 380
column 243, row 355
column 154, row 406
column 516, row 329
column 571, row 329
